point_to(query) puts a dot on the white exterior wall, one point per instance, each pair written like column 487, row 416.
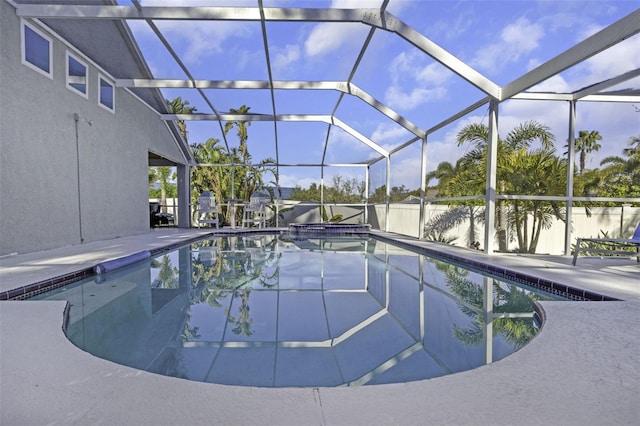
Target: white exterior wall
column 42, row 205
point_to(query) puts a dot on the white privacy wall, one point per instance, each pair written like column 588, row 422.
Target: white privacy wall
column 615, row 221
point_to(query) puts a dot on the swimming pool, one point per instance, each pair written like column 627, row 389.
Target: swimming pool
column 306, row 311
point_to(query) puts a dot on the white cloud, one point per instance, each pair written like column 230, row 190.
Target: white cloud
column 439, row 151
column 555, row 84
column 405, row 169
column 614, row 61
column 329, row 36
column 403, row 64
column 433, row 74
column 452, row 29
column 445, row 148
column 340, row 138
column 386, row 132
column 406, row 101
column 516, row 40
column 177, row 3
column 291, row 181
column 617, row 123
column 522, row 35
column 413, row 65
column 196, row 41
column 283, row 57
column 202, row 39
column 414, row 82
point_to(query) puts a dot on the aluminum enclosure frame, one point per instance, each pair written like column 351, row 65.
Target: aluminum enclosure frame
column 375, row 19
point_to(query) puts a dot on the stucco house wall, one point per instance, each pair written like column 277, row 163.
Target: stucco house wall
column 62, row 181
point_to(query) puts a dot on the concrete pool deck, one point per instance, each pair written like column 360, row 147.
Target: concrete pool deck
column 583, row 368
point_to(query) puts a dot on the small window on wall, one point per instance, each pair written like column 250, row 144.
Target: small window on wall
column 106, row 94
column 76, row 75
column 36, row 50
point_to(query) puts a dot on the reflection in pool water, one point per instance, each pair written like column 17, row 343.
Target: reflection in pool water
column 271, row 310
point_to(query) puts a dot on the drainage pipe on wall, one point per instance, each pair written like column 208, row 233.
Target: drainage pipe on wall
column 76, row 118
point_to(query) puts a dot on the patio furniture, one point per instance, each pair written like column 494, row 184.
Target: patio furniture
column 254, row 246
column 208, row 210
column 233, row 203
column 610, row 246
column 255, row 213
column 157, row 218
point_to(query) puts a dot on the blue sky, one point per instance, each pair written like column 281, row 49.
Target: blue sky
column 500, row 39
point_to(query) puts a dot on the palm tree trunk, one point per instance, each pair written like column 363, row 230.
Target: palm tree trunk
column 518, row 220
column 472, row 228
column 534, row 225
column 525, row 232
column 535, row 229
column 534, row 240
column 502, row 222
column 163, row 198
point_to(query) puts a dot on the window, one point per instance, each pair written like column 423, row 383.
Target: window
column 106, row 94
column 36, row 50
column 76, row 75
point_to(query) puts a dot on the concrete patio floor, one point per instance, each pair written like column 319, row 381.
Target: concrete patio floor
column 582, row 369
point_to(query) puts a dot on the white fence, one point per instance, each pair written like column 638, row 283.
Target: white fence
column 616, row 222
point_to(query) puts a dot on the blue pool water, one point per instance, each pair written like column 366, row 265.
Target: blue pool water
column 277, row 310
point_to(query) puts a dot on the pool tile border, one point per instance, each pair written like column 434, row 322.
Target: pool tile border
column 552, row 287
column 30, row 290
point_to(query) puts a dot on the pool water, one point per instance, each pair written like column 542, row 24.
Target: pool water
column 275, row 310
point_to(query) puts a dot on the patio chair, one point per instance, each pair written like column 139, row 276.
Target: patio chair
column 610, row 246
column 154, row 209
column 255, row 213
column 208, row 255
column 254, row 246
column 157, row 218
column 208, row 210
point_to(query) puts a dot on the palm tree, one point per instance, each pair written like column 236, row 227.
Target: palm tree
column 247, row 178
column 585, row 143
column 634, row 148
column 621, row 176
column 445, row 172
column 168, row 274
column 539, row 172
column 516, row 173
column 454, row 181
column 240, row 180
column 244, row 321
column 242, row 128
column 164, row 175
column 210, row 178
column 178, row 106
column 520, row 137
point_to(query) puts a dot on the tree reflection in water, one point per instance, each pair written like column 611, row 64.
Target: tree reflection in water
column 508, row 299
column 232, row 266
column 244, row 321
column 167, row 274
